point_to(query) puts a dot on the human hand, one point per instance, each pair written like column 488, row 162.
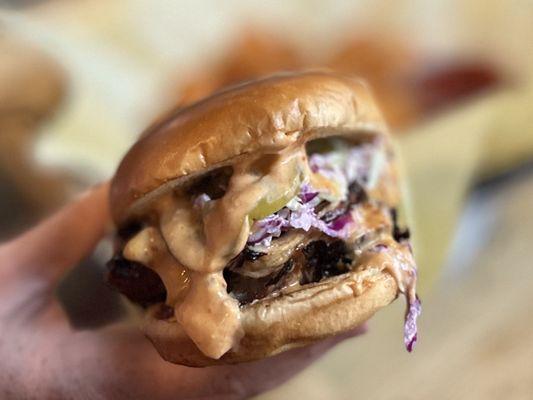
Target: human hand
column 42, row 356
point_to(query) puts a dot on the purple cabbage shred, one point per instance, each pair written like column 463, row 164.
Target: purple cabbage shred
column 410, row 334
column 201, row 200
column 299, row 214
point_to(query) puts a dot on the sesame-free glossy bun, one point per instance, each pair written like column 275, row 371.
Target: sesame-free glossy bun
column 264, row 115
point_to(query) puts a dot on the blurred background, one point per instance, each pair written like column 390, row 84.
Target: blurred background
column 81, row 79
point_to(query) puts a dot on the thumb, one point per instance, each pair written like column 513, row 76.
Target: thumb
column 61, row 241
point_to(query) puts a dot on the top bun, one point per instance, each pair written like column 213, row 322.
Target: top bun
column 264, row 115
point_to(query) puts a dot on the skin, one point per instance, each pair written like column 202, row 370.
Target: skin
column 43, row 357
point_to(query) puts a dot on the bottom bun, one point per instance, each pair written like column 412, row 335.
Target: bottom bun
column 276, row 324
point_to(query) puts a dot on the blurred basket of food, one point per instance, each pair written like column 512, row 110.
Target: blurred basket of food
column 32, row 86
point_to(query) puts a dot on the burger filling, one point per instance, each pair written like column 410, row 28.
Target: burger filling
column 267, row 226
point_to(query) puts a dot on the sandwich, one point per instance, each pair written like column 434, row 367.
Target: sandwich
column 261, row 219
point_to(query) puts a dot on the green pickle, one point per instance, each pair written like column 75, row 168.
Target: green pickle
column 277, row 198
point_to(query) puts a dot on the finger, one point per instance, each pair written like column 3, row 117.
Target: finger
column 120, row 357
column 271, row 372
column 248, row 379
column 61, row 241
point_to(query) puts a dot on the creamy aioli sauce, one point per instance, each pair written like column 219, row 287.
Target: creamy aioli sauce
column 210, row 316
column 320, row 182
column 149, row 249
column 182, row 228
column 369, row 219
column 204, row 241
column 397, row 260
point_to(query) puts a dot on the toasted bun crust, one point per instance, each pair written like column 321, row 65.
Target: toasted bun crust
column 274, row 325
column 268, row 114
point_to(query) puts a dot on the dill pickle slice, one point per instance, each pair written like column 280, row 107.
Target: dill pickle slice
column 277, row 197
